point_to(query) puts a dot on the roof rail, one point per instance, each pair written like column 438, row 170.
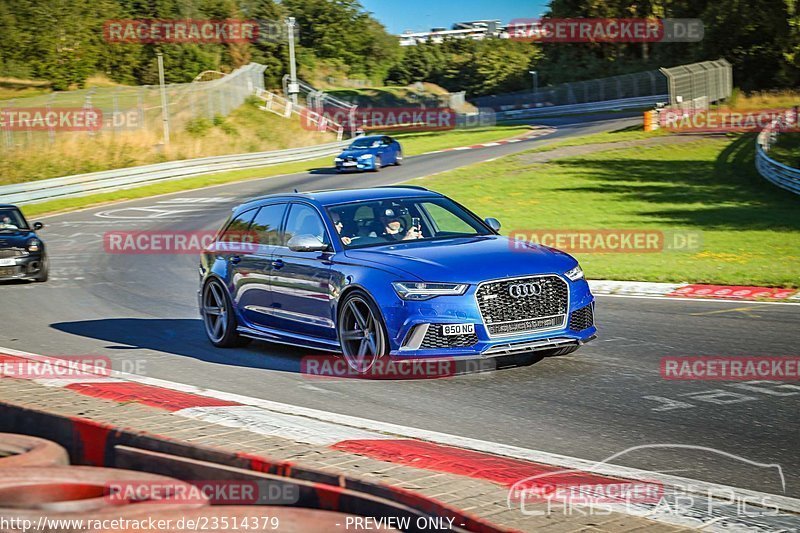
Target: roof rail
column 419, row 187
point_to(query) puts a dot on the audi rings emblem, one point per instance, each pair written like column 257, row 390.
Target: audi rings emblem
column 520, row 290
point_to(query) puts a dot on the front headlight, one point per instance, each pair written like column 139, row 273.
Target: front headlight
column 575, row 274
column 33, row 245
column 412, row 290
column 365, row 157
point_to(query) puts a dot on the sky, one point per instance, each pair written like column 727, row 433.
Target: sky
column 422, row 15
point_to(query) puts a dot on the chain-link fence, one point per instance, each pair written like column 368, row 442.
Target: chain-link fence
column 640, row 84
column 699, row 84
column 53, row 117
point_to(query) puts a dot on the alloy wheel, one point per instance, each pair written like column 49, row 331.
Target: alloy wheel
column 360, row 334
column 215, row 312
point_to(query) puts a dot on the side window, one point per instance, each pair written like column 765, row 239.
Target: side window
column 267, row 224
column 238, row 227
column 445, row 221
column 305, row 220
column 387, row 141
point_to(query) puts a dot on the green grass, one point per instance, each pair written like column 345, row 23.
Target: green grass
column 627, row 134
column 430, row 141
column 750, row 229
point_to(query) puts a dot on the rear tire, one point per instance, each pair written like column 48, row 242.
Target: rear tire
column 555, row 352
column 399, row 158
column 219, row 318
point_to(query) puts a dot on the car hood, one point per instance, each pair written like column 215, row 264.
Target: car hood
column 356, row 153
column 16, row 239
column 467, row 259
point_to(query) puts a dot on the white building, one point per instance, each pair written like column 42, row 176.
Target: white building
column 476, row 30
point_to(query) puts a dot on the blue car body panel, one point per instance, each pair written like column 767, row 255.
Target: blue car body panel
column 366, row 158
column 298, row 303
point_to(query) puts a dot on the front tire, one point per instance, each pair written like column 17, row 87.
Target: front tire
column 362, row 334
column 219, row 318
column 376, row 166
column 44, row 272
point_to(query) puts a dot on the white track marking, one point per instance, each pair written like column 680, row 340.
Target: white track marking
column 784, row 503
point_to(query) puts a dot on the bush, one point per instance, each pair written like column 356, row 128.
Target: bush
column 198, row 127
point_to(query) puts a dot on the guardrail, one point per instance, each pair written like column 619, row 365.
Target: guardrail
column 591, row 107
column 126, row 178
column 778, row 174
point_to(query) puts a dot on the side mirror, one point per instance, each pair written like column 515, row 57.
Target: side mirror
column 37, row 226
column 493, row 223
column 306, row 243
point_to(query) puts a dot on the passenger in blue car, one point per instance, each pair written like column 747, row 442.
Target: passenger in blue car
column 337, row 222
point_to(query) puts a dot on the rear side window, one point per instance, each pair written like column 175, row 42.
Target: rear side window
column 237, row 227
column 267, row 224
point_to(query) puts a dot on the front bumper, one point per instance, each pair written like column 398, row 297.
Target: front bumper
column 25, row 267
column 416, row 332
column 368, row 164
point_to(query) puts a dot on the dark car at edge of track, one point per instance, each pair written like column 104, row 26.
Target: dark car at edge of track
column 22, row 252
column 370, row 152
column 396, row 271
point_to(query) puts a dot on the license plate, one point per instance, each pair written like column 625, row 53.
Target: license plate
column 8, row 261
column 458, row 329
column 526, row 325
column 349, row 164
column 7, row 271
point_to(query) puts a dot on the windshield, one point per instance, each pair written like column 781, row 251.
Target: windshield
column 11, row 220
column 383, row 222
column 365, row 143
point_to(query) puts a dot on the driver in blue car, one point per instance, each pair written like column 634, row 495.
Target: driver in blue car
column 393, row 231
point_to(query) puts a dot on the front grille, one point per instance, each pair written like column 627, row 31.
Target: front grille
column 434, row 338
column 504, row 314
column 10, row 252
column 582, row 319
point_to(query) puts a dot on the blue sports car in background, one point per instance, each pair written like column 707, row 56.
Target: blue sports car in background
column 388, row 271
column 370, row 153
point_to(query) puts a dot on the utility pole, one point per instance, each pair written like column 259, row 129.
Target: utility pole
column 164, row 109
column 294, row 87
column 535, row 75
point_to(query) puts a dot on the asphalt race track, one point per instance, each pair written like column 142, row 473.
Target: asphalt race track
column 141, row 311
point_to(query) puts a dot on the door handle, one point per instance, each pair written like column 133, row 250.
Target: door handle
column 235, row 259
column 278, row 264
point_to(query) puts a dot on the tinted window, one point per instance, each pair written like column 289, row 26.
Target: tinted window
column 11, row 219
column 267, row 224
column 305, row 220
column 403, row 219
column 238, row 227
